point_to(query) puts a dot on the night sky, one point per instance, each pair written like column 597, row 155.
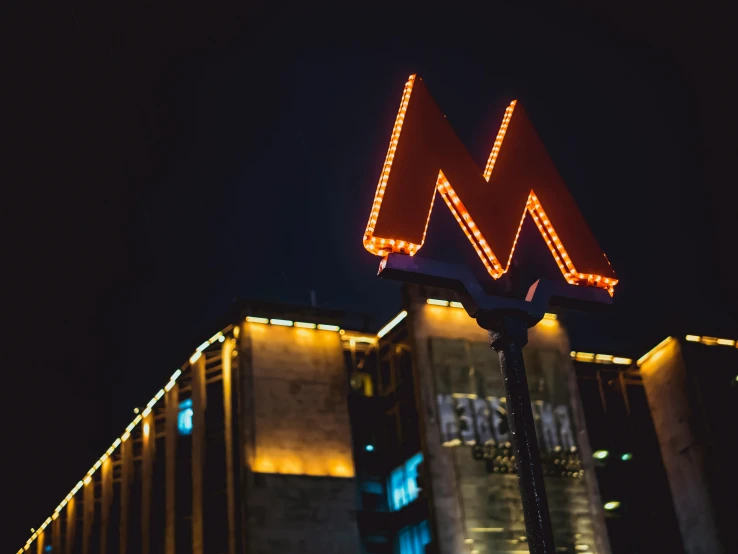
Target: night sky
column 163, row 162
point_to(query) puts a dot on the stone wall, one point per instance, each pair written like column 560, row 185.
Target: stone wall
column 301, row 494
column 302, row 515
column 471, row 503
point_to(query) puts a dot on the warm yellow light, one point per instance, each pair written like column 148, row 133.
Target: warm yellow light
column 552, row 317
column 584, row 357
column 726, row 342
column 146, row 429
column 217, row 336
column 655, row 349
column 252, row 319
column 169, row 386
column 323, row 327
column 456, row 304
column 360, row 338
column 582, row 547
column 468, row 541
column 601, row 454
column 304, row 325
column 612, row 505
column 709, row 341
column 282, row 322
column 159, row 394
column 436, row 302
column 116, row 444
column 622, row 361
column 88, row 479
column 391, row 325
column 125, row 436
column 603, row 358
column 693, row 338
column 195, row 357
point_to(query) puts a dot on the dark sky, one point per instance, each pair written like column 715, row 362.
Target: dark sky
column 163, row 161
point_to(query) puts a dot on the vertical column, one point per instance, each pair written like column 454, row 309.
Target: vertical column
column 148, row 446
column 56, row 532
column 106, row 498
column 40, row 543
column 126, row 476
column 198, row 449
column 172, row 407
column 442, row 484
column 71, row 525
column 227, row 357
column 585, row 449
column 88, row 513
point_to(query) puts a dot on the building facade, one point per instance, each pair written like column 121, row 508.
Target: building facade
column 290, row 431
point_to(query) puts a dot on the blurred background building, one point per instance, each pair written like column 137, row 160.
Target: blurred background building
column 296, row 429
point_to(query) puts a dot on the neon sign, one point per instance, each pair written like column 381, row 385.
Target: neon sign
column 425, row 157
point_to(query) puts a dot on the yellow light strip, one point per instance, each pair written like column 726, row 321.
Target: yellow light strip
column 87, row 479
column 651, row 352
column 391, row 325
column 711, row 341
column 252, row 319
column 290, row 323
column 600, row 358
column 282, row 322
column 453, row 304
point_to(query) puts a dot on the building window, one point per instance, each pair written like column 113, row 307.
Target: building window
column 184, row 421
column 403, row 485
column 412, row 540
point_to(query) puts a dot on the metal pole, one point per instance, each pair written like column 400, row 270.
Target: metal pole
column 508, row 336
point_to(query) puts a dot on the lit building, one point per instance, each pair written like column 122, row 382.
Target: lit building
column 292, row 430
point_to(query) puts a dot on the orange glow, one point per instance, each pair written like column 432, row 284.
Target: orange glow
column 290, row 441
column 320, row 465
column 600, row 358
column 382, row 246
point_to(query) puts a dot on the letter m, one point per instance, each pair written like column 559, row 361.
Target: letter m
column 426, row 157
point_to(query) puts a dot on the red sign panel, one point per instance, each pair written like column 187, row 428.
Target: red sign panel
column 426, row 157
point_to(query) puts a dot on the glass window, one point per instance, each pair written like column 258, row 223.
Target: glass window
column 412, row 540
column 184, row 421
column 403, row 485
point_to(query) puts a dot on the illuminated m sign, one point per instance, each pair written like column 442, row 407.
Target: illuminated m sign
column 426, row 157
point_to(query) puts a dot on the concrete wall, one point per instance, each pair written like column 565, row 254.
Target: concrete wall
column 301, row 492
column 682, row 449
column 453, row 357
column 302, row 514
